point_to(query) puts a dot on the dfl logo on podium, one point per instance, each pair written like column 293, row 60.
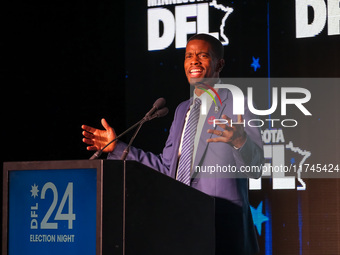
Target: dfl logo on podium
column 52, row 211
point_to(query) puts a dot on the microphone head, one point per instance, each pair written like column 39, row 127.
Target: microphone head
column 162, row 112
column 159, row 113
column 160, row 103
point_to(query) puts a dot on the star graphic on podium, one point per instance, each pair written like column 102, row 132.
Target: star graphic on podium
column 258, row 217
column 34, row 191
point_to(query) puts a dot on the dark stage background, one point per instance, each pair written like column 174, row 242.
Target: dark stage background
column 62, row 65
column 68, row 63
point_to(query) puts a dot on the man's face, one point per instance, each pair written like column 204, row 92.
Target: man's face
column 200, row 62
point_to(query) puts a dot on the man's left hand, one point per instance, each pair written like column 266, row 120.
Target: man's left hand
column 232, row 134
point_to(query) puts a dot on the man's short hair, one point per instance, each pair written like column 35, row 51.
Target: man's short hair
column 216, row 45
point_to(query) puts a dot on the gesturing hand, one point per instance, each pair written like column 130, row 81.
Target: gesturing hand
column 97, row 139
column 234, row 135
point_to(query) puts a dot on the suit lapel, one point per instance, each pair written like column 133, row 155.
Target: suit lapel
column 203, row 145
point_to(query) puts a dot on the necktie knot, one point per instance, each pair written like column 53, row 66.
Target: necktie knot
column 197, row 102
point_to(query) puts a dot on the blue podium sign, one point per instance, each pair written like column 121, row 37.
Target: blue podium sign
column 52, row 212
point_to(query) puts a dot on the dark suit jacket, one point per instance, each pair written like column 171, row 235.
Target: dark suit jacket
column 234, row 226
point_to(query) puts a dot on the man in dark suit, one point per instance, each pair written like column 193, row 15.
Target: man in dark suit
column 223, row 145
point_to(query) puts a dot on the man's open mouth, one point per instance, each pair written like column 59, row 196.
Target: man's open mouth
column 195, row 72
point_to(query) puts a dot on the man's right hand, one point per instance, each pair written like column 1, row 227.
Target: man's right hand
column 97, row 139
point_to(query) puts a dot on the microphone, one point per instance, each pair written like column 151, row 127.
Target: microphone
column 157, row 105
column 160, row 113
column 156, row 111
column 99, row 152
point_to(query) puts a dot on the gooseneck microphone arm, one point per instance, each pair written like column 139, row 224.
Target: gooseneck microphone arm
column 156, row 111
column 127, row 149
column 97, row 154
column 160, row 113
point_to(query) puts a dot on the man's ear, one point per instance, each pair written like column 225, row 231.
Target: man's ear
column 220, row 65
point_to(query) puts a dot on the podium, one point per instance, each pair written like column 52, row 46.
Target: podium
column 102, row 207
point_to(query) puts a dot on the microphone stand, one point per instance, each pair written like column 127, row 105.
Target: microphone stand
column 160, row 113
column 127, row 149
column 97, row 154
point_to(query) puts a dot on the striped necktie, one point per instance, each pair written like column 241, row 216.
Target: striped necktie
column 185, row 160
